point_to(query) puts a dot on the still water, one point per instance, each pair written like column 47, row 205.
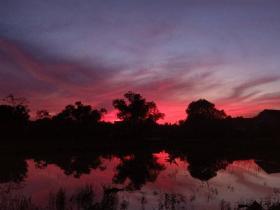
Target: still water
column 146, row 181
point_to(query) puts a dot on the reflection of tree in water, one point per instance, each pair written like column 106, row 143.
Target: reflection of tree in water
column 13, row 169
column 206, row 169
column 203, row 162
column 139, row 169
column 73, row 165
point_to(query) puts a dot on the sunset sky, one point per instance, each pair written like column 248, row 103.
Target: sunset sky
column 55, row 52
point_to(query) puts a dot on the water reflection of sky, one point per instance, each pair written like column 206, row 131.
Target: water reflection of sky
column 239, row 181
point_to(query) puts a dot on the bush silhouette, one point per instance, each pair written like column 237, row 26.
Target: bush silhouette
column 43, row 115
column 14, row 110
column 80, row 114
column 14, row 116
column 204, row 110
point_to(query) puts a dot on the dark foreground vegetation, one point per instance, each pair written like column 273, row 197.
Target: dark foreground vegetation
column 85, row 199
column 138, row 120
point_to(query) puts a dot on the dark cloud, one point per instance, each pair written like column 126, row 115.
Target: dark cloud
column 240, row 92
column 58, row 83
column 269, row 98
column 23, row 75
column 57, row 74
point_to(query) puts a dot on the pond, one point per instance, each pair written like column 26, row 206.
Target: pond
column 157, row 180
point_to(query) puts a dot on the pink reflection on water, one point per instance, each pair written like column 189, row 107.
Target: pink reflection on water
column 239, row 181
column 40, row 182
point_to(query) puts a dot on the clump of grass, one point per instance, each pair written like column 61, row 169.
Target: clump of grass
column 172, row 201
column 58, row 201
column 261, row 205
column 16, row 203
column 83, row 199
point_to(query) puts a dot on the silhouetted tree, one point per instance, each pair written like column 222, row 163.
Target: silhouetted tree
column 267, row 123
column 204, row 110
column 80, row 113
column 204, row 120
column 135, row 109
column 13, row 110
column 9, row 114
column 43, row 115
column 13, row 101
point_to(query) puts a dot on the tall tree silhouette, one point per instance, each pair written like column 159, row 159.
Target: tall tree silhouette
column 202, row 110
column 135, row 109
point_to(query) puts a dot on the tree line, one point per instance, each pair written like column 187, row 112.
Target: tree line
column 137, row 118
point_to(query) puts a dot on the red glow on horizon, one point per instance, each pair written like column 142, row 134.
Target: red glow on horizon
column 174, row 113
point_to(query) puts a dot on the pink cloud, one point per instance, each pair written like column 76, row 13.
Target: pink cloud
column 52, row 85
